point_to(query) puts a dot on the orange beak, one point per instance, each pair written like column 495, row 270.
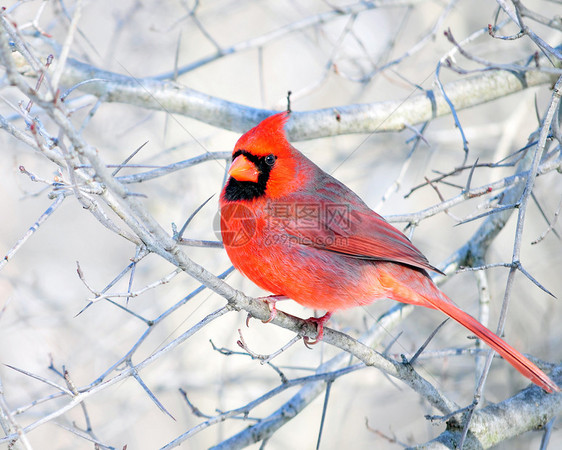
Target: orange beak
column 243, row 170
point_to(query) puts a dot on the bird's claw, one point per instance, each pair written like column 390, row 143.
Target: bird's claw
column 270, row 302
column 319, row 321
column 272, row 312
column 272, row 309
column 308, row 343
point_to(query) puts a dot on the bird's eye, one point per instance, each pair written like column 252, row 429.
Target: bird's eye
column 270, row 160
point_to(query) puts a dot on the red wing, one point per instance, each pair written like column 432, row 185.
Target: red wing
column 352, row 229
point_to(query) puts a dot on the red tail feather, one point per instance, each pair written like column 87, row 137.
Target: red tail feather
column 515, row 358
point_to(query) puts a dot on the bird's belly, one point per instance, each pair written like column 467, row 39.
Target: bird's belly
column 314, row 278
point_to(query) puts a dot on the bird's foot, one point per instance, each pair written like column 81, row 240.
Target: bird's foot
column 270, row 301
column 319, row 321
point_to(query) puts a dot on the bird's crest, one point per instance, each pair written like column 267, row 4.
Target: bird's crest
column 266, row 137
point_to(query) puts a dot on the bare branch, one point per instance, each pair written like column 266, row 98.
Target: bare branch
column 358, row 118
column 511, row 418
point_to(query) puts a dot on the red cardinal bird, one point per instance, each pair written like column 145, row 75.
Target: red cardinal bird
column 299, row 233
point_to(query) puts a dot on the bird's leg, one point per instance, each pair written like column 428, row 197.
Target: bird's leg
column 319, row 321
column 270, row 301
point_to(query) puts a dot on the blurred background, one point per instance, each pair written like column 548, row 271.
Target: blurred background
column 327, row 58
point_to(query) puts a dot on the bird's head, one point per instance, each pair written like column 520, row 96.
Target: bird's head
column 263, row 162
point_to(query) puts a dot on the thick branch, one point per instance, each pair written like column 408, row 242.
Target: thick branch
column 357, row 118
column 530, row 409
